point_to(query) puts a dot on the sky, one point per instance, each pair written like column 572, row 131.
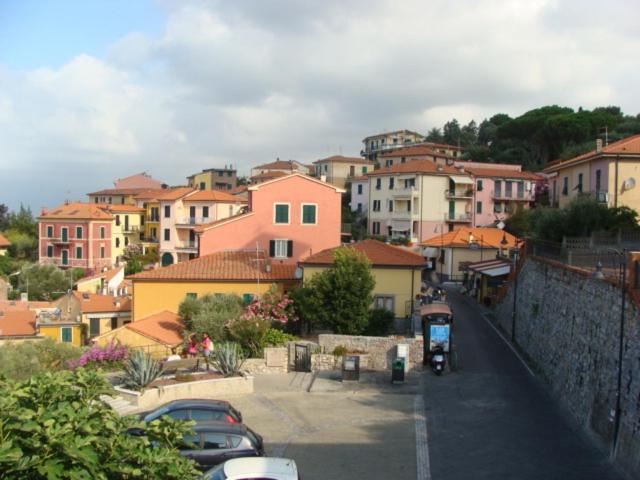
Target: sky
column 95, row 90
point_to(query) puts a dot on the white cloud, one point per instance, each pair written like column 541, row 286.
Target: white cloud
column 244, row 82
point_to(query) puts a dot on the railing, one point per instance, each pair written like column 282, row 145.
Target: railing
column 403, row 215
column 71, row 262
column 405, row 192
column 499, row 195
column 131, row 229
column 187, row 246
column 458, row 194
column 461, row 217
column 149, row 239
column 192, row 220
column 60, row 240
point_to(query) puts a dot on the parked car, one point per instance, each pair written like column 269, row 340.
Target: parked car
column 252, row 468
column 217, row 442
column 198, row 410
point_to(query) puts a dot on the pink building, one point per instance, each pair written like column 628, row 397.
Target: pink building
column 75, row 235
column 290, row 217
column 139, row 180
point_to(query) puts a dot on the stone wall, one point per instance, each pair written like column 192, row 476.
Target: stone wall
column 380, row 350
column 275, row 360
column 568, row 325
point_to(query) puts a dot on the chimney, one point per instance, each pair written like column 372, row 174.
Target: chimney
column 598, row 145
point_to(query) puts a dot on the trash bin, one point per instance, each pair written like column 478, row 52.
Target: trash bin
column 397, row 370
column 351, row 368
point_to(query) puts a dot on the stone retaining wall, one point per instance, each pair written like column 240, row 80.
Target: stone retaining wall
column 380, row 350
column 568, row 325
column 275, row 360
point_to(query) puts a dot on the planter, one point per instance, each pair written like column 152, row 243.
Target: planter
column 215, row 389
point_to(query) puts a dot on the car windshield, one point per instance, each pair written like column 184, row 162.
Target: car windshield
column 215, row 474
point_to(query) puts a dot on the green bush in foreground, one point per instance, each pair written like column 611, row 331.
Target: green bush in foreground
column 53, row 426
column 20, row 361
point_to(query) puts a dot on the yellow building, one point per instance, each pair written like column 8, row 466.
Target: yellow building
column 157, row 334
column 128, row 227
column 244, row 273
column 339, row 170
column 610, row 174
column 62, row 332
column 106, row 283
column 397, row 273
column 214, row 179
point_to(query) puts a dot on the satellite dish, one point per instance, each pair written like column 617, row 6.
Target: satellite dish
column 629, row 183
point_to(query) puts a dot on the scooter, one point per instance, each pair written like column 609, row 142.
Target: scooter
column 438, row 360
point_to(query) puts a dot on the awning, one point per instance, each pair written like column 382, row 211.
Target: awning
column 491, row 268
column 460, row 180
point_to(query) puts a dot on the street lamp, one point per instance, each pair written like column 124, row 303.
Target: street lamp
column 622, row 276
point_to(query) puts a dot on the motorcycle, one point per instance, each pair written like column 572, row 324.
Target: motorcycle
column 438, row 360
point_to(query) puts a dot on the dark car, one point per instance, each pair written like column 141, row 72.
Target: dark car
column 197, row 410
column 217, row 442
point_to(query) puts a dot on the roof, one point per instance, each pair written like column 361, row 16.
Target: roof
column 419, row 150
column 268, row 175
column 213, row 196
column 210, row 170
column 139, row 180
column 77, row 210
column 395, row 132
column 175, row 193
column 15, row 323
column 626, row 146
column 418, row 166
column 379, row 254
column 108, row 275
column 119, row 191
column 435, row 309
column 152, row 194
column 362, row 178
column 165, row 327
column 206, row 226
column 493, row 268
column 95, row 303
column 239, row 190
column 343, row 159
column 281, row 165
column 12, row 305
column 116, row 208
column 300, row 175
column 500, row 173
column 223, row 266
column 4, row 242
column 464, row 236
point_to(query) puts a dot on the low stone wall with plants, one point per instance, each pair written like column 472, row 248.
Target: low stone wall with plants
column 218, row 388
column 275, row 360
column 376, row 353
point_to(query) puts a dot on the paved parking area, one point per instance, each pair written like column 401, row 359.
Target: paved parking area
column 336, row 431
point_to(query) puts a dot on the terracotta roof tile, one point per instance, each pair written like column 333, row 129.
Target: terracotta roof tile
column 17, row 323
column 213, row 196
column 4, row 242
column 268, row 175
column 175, row 193
column 12, row 305
column 77, row 210
column 281, row 165
column 139, row 180
column 343, row 159
column 151, row 194
column 230, row 265
column 418, row 166
column 119, row 191
column 489, row 237
column 95, row 303
column 288, row 176
column 500, row 173
column 626, row 146
column 165, row 327
column 108, row 275
column 378, row 253
column 116, row 208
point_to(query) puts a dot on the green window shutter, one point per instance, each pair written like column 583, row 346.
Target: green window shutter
column 289, row 248
column 272, row 248
column 479, row 207
column 282, row 213
column 78, row 252
column 50, row 251
column 247, row 298
column 309, row 214
column 50, row 232
column 192, row 295
column 66, row 334
column 94, row 327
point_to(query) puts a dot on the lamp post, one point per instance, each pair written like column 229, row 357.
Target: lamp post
column 622, row 276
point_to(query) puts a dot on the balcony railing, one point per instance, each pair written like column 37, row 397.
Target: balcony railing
column 512, row 196
column 459, row 217
column 59, row 240
column 187, row 246
column 188, row 221
column 149, row 239
column 71, row 262
column 405, row 192
column 131, row 229
column 403, row 215
column 464, row 194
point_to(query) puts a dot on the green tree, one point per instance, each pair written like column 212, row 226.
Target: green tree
column 23, row 246
column 211, row 314
column 451, row 132
column 54, row 426
column 23, row 222
column 4, row 217
column 46, row 282
column 435, row 136
column 344, row 292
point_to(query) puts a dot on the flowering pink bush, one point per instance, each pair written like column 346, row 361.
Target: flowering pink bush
column 272, row 307
column 112, row 353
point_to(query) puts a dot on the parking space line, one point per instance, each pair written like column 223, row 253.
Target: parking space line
column 422, row 441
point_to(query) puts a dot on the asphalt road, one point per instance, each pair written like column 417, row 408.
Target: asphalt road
column 493, row 420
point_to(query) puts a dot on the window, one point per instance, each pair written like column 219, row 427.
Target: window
column 378, row 183
column 598, row 180
column 49, row 251
column 167, row 235
column 520, row 189
column 282, row 213
column 214, row 440
column 579, row 186
column 375, row 226
column 205, row 212
column 479, row 185
column 141, row 219
column 65, row 234
column 403, row 159
column 94, row 327
column 565, row 186
column 155, row 215
column 308, row 214
column 66, row 334
column 390, row 205
column 359, row 208
column 50, row 231
column 479, row 207
column 117, row 220
column 126, row 241
column 360, row 189
column 497, row 208
column 78, row 232
column 388, row 163
column 79, row 252
column 376, row 205
column 384, row 301
column 391, row 182
column 101, row 252
column 364, row 170
column 117, row 242
column 409, row 183
column 281, row 248
column 508, row 187
column 192, row 295
column 167, row 211
column 182, row 414
column 200, row 414
column 498, row 185
column 102, row 232
column 114, row 323
column 203, row 185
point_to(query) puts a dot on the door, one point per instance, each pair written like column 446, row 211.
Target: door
column 452, row 210
column 192, row 214
column 65, row 235
column 65, row 256
column 303, row 358
column 192, row 238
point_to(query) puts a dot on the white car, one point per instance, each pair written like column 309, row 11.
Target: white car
column 255, row 467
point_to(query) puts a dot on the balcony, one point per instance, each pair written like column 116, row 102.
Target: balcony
column 71, row 262
column 598, row 195
column 459, row 194
column 188, row 247
column 457, row 218
column 404, row 215
column 148, row 239
column 131, row 229
column 186, row 222
column 510, row 197
column 405, row 192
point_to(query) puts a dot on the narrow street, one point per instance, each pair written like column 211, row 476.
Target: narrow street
column 493, row 420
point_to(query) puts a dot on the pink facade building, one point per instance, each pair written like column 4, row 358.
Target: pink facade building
column 290, row 217
column 75, row 235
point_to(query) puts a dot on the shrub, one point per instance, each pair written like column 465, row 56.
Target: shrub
column 140, row 370
column 274, row 337
column 20, row 361
column 380, row 322
column 227, row 358
column 250, row 332
column 184, row 377
column 210, row 314
column 340, row 351
column 109, row 357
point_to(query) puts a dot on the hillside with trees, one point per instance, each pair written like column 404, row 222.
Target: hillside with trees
column 538, row 136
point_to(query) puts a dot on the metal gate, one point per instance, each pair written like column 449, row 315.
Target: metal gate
column 303, row 358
